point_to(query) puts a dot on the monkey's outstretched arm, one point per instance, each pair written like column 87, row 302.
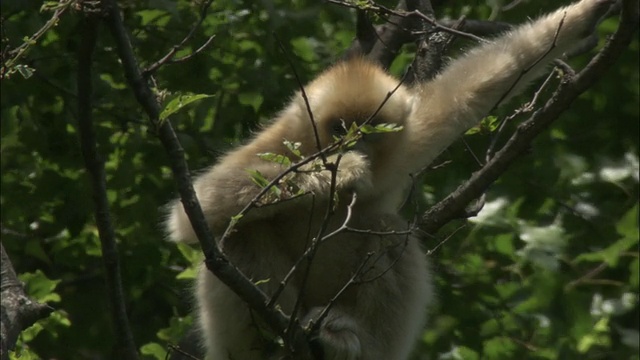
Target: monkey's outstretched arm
column 490, row 75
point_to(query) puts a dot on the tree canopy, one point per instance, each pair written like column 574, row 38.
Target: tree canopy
column 548, row 269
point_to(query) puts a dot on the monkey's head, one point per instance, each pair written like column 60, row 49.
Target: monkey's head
column 354, row 91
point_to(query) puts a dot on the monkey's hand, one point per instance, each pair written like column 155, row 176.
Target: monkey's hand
column 576, row 22
column 354, row 173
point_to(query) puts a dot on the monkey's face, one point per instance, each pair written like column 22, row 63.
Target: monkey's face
column 357, row 92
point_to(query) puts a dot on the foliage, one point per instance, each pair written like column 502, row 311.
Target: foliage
column 548, row 269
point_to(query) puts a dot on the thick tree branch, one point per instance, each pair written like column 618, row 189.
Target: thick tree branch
column 453, row 205
column 429, row 58
column 382, row 43
column 366, row 36
column 125, row 345
column 215, row 259
column 17, row 310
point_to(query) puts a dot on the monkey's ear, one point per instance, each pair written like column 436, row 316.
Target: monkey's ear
column 366, row 37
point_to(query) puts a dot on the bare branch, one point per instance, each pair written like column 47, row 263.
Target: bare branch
column 526, row 108
column 18, row 311
column 401, row 13
column 429, row 57
column 314, row 324
column 389, row 38
column 366, row 36
column 305, row 98
column 126, row 347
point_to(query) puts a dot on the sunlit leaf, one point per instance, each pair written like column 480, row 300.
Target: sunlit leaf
column 40, row 287
column 154, row 350
column 179, row 102
column 258, row 178
column 380, row 128
column 276, row 158
column 294, row 147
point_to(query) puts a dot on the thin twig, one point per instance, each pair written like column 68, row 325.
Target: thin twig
column 169, row 57
column 316, row 241
column 19, row 52
column 314, row 324
column 443, row 241
column 527, row 69
column 528, row 107
column 314, row 126
column 380, row 9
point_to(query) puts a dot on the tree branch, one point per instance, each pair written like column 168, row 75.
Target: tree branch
column 382, row 43
column 17, row 310
column 126, row 347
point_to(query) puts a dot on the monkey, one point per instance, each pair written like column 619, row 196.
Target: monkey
column 368, row 284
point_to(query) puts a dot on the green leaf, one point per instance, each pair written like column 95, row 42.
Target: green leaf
column 488, row 124
column 194, row 256
column 25, row 71
column 628, row 228
column 263, row 281
column 113, row 83
column 156, row 16
column 178, row 326
column 294, row 147
column 154, row 350
column 465, row 353
column 180, row 101
column 499, row 348
column 305, row 48
column 187, row 274
column 236, row 218
column 252, row 99
column 23, row 353
column 380, row 128
column 40, row 287
column 598, row 336
column 258, row 178
column 275, row 158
